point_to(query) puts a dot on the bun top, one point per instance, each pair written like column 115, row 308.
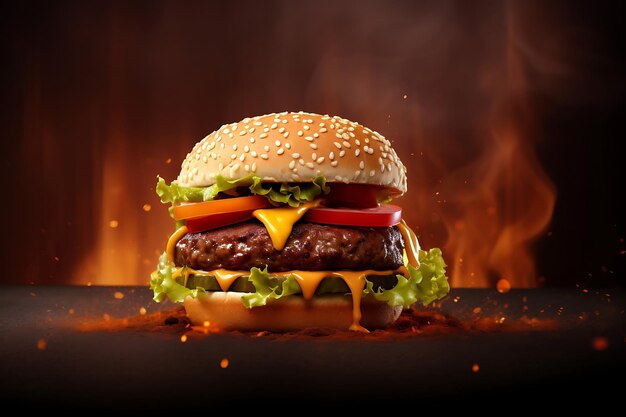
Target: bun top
column 295, row 147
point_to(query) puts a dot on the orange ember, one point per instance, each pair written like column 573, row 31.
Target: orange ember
column 224, row 363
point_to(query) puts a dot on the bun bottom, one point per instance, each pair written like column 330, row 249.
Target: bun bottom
column 225, row 311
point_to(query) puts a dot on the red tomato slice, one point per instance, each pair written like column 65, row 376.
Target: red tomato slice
column 226, row 205
column 214, row 221
column 382, row 216
column 352, row 195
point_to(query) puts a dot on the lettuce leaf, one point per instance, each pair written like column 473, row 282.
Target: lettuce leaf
column 425, row 284
column 284, row 193
column 268, row 288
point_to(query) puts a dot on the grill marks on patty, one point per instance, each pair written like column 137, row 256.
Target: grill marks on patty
column 310, row 247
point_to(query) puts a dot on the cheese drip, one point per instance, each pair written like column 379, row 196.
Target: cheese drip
column 279, row 221
column 411, row 245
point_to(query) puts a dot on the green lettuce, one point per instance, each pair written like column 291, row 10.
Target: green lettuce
column 278, row 193
column 425, row 284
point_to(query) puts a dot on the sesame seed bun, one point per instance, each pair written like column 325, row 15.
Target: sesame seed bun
column 295, row 147
column 225, row 311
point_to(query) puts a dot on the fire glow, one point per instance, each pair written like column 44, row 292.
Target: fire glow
column 476, row 187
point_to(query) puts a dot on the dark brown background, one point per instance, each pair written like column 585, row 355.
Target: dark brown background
column 97, row 96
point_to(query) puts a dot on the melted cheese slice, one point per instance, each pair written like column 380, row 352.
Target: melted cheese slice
column 279, row 221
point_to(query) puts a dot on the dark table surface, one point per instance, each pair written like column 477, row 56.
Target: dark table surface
column 154, row 369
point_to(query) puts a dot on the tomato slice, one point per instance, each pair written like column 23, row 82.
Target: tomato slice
column 382, row 216
column 214, row 221
column 226, row 205
column 352, row 195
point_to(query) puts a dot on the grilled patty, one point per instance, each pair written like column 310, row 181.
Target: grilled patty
column 310, row 247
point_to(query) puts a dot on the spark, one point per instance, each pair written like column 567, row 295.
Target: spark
column 475, row 368
column 142, row 311
column 147, row 207
column 503, row 285
column 118, row 295
column 41, row 344
column 224, row 363
column 183, row 338
column 113, row 224
column 600, row 343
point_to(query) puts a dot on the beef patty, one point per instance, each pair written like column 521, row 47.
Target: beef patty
column 310, row 247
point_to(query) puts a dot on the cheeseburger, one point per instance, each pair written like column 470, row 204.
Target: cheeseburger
column 284, row 221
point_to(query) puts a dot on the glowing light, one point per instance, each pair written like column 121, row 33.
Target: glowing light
column 206, row 323
column 600, row 343
column 183, row 338
column 41, row 344
column 475, row 368
column 113, row 224
column 503, row 286
column 224, row 363
column 118, row 295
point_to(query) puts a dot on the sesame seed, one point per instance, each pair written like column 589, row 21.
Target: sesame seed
column 389, row 166
column 280, row 151
column 254, row 154
column 342, row 153
column 263, row 135
column 308, row 138
column 352, row 135
column 301, row 161
column 351, row 129
column 220, row 166
column 314, row 156
column 243, row 132
column 321, row 124
column 358, row 142
column 286, row 135
column 338, row 145
column 254, row 166
column 382, row 168
column 357, row 152
column 230, row 135
column 310, row 165
column 292, row 164
column 306, row 127
column 246, row 148
column 273, row 126
column 332, row 126
column 300, row 133
column 218, row 138
column 233, row 156
column 331, row 156
column 251, row 130
column 234, row 147
column 380, row 161
column 295, row 155
column 334, row 163
column 197, row 156
column 266, row 129
column 357, row 173
column 287, row 145
column 316, row 135
column 194, row 171
column 257, row 123
column 281, row 130
column 313, row 146
column 320, row 159
column 384, row 154
column 323, row 130
column 222, row 145
column 205, row 159
column 370, row 151
column 347, row 144
column 338, row 135
column 367, row 140
column 251, row 140
column 284, row 121
column 235, row 167
column 345, row 136
column 338, row 178
column 309, row 121
column 340, row 130
column 246, row 167
column 226, row 131
column 242, row 157
column 362, row 165
column 266, row 148
column 264, row 156
column 372, row 173
column 277, row 143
